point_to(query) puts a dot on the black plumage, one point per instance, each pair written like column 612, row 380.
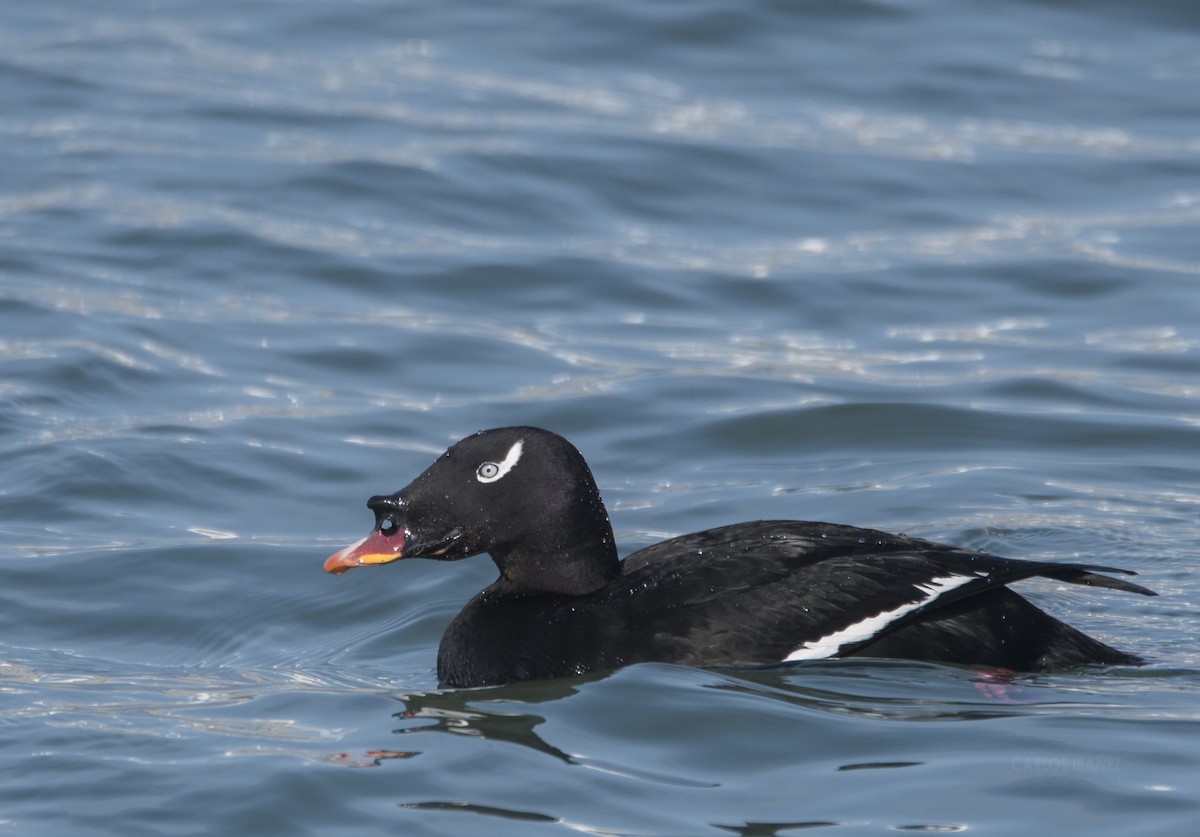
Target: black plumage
column 761, row 592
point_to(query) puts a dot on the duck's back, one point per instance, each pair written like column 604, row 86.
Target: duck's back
column 780, row 591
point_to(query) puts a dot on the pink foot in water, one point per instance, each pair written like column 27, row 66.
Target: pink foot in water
column 993, row 684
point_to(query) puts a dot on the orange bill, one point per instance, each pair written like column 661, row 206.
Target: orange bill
column 375, row 548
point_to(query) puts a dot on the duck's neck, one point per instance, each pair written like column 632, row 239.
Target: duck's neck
column 567, row 560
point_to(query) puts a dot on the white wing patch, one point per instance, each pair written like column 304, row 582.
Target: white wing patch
column 492, row 471
column 827, row 646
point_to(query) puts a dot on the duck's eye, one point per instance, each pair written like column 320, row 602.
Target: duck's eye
column 492, row 471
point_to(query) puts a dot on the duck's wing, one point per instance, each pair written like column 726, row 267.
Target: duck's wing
column 777, row 591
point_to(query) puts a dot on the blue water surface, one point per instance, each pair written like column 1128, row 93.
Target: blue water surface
column 917, row 265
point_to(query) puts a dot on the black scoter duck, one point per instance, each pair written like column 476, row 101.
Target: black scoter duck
column 764, row 592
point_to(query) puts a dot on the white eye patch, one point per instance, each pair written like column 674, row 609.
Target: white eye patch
column 492, row 471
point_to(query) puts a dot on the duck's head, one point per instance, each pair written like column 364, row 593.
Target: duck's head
column 523, row 495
